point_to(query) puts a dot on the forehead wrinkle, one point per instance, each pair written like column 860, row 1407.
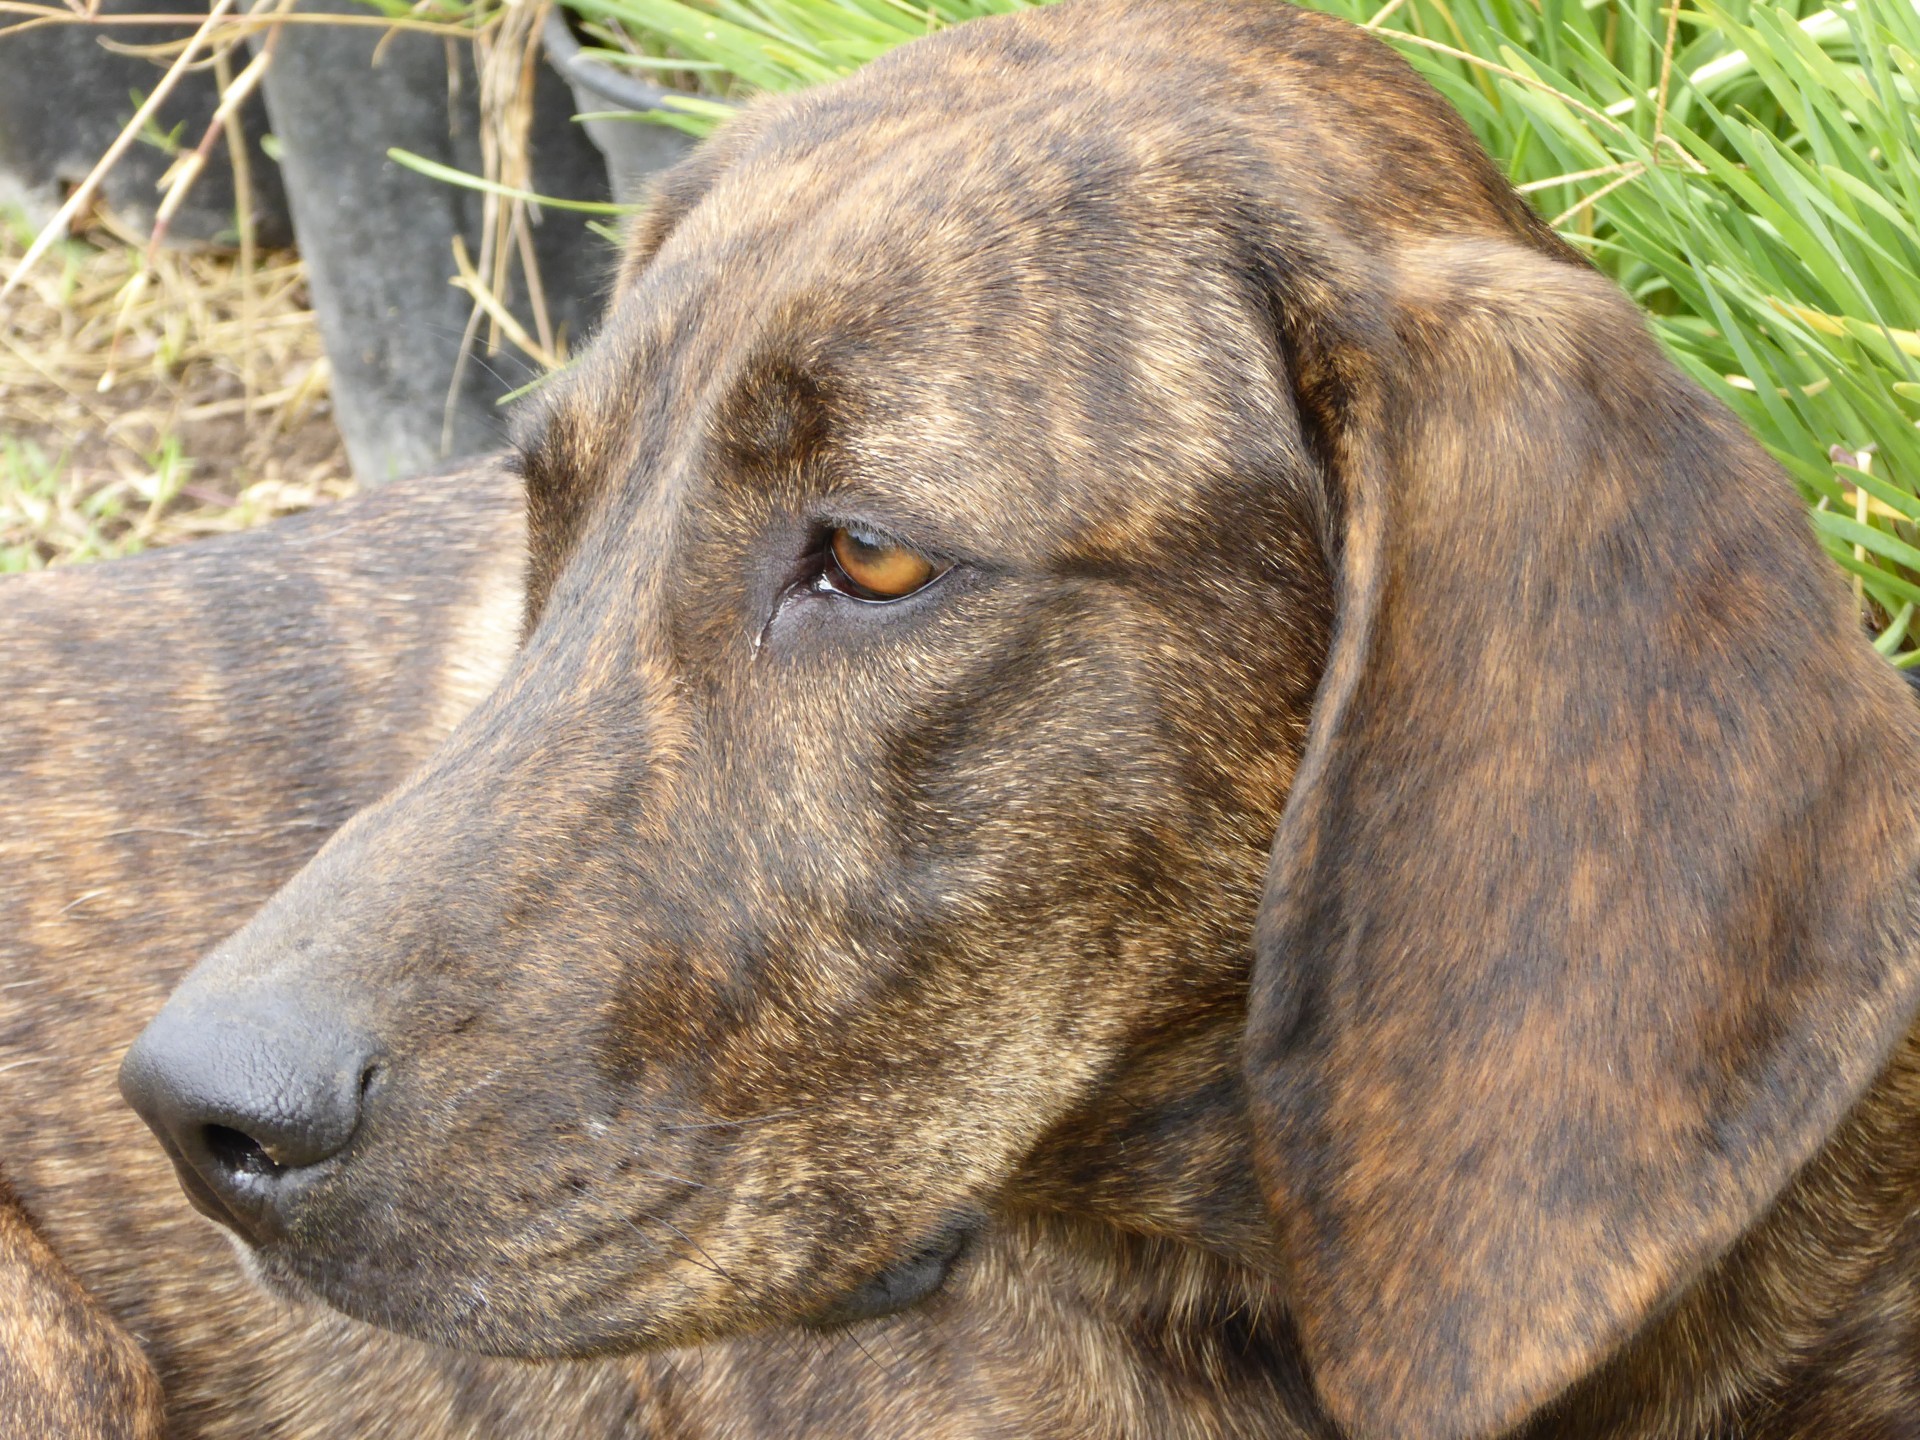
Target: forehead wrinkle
column 979, row 443
column 1008, row 421
column 822, row 194
column 950, row 250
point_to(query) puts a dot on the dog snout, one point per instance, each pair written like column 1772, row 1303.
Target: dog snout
column 248, row 1105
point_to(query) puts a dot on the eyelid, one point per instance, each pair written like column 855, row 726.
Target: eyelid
column 867, row 530
column 811, row 575
column 930, row 523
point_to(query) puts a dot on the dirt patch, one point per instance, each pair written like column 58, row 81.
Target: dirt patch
column 146, row 403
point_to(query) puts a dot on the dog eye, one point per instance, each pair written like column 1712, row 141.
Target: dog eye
column 869, row 566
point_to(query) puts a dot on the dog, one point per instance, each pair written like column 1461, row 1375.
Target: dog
column 1154, row 777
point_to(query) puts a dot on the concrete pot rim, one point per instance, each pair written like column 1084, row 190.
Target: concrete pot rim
column 628, row 92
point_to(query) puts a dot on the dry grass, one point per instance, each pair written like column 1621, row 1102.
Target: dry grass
column 147, row 396
column 146, row 403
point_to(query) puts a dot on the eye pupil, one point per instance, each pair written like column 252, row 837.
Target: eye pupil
column 875, row 568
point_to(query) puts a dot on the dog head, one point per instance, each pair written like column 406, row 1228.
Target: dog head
column 1017, row 484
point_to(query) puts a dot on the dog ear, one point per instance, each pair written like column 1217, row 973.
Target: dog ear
column 671, row 196
column 1593, row 906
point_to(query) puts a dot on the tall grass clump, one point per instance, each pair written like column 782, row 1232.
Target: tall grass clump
column 1748, row 170
column 737, row 48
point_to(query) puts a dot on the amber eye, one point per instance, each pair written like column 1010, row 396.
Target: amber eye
column 872, row 567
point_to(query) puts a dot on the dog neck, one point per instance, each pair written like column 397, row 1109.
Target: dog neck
column 1162, row 1152
column 1054, row 1325
column 1817, row 1305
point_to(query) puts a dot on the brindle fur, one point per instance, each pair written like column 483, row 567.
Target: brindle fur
column 732, row 948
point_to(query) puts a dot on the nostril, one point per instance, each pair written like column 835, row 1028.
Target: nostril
column 237, row 1153
column 248, row 1105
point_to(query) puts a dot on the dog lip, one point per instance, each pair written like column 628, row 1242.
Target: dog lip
column 201, row 1195
column 254, row 1214
column 901, row 1285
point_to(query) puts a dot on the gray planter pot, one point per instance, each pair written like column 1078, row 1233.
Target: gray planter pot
column 64, row 98
column 378, row 238
column 635, row 150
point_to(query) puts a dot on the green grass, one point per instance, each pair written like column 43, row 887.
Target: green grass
column 1767, row 217
column 44, row 511
column 779, row 44
column 1751, row 176
column 729, row 49
column 30, row 483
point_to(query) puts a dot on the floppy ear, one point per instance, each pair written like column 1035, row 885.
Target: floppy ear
column 1593, row 905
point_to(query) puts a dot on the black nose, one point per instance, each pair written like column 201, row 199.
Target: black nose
column 246, row 1104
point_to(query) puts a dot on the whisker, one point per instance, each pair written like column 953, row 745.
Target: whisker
column 892, row 1375
column 717, row 1269
column 704, row 1260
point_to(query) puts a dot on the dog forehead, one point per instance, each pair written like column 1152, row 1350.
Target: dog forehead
column 1048, row 324
column 1039, row 383
column 1012, row 249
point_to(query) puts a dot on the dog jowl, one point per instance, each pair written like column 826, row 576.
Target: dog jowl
column 1020, row 710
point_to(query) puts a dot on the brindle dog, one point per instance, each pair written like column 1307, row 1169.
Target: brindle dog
column 1161, row 782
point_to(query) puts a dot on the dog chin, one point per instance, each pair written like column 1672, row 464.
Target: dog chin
column 471, row 1314
column 459, row 1314
column 249, row 1260
column 476, row 1314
